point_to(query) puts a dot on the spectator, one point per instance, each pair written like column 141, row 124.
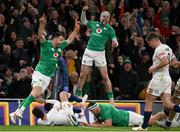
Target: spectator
column 2, row 93
column 27, row 29
column 144, row 76
column 19, row 56
column 21, row 85
column 6, row 55
column 8, row 79
column 127, row 81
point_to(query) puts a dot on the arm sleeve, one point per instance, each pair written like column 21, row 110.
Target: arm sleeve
column 83, row 18
column 90, row 24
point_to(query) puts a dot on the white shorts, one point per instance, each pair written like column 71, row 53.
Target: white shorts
column 97, row 56
column 159, row 85
column 135, row 119
column 40, row 80
column 66, row 106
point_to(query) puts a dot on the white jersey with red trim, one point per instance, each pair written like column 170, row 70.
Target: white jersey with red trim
column 161, row 51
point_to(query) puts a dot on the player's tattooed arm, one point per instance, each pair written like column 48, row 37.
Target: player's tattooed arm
column 83, row 15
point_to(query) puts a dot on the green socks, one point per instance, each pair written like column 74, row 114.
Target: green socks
column 78, row 93
column 110, row 95
column 26, row 102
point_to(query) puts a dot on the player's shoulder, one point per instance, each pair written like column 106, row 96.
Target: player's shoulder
column 161, row 47
column 94, row 22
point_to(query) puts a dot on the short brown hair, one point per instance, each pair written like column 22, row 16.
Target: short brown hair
column 152, row 35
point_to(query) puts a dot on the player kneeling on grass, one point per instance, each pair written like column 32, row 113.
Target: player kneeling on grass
column 61, row 113
column 107, row 116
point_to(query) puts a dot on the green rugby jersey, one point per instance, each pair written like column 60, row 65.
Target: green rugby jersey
column 49, row 57
column 118, row 117
column 100, row 35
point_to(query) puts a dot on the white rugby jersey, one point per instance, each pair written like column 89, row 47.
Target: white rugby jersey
column 56, row 116
column 161, row 51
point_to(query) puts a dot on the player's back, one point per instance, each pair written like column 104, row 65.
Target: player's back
column 119, row 117
column 57, row 115
column 161, row 51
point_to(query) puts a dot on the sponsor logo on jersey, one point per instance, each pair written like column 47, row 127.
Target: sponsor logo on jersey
column 105, row 28
column 55, row 55
column 97, row 25
column 99, row 30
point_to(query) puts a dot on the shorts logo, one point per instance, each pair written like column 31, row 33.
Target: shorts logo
column 156, row 91
column 99, row 30
column 55, row 55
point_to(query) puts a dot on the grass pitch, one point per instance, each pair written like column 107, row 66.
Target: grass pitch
column 70, row 128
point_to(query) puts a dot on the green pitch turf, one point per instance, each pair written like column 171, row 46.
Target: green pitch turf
column 70, row 128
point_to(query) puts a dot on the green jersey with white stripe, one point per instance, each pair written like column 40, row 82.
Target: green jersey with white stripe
column 118, row 117
column 49, row 57
column 100, row 35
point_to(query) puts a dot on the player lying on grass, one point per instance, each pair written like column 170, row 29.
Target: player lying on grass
column 107, row 116
column 163, row 116
column 173, row 118
column 61, row 113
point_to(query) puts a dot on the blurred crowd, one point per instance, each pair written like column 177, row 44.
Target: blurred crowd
column 127, row 64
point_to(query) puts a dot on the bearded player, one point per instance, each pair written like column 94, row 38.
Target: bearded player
column 101, row 33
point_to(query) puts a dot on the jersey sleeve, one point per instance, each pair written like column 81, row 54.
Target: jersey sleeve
column 42, row 43
column 90, row 24
column 63, row 44
column 160, row 53
column 107, row 113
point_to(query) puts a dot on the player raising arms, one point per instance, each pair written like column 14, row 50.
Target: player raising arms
column 45, row 69
column 160, row 85
column 95, row 51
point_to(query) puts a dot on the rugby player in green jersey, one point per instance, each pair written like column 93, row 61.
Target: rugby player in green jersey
column 101, row 33
column 45, row 69
column 107, row 116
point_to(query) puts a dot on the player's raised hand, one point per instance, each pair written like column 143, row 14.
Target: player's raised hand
column 43, row 20
column 85, row 8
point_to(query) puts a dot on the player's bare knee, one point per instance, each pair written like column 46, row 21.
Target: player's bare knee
column 36, row 92
column 168, row 104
